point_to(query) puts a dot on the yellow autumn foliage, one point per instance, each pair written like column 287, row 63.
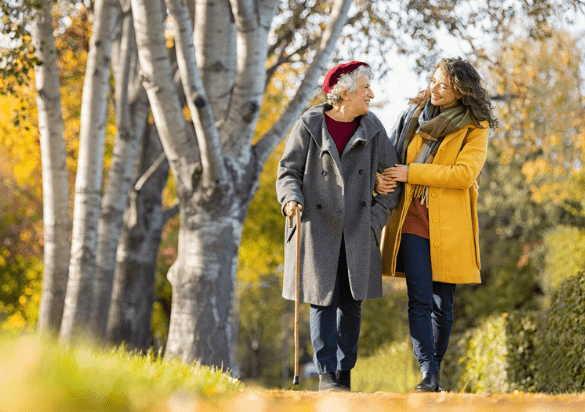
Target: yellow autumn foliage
column 19, row 138
column 541, row 122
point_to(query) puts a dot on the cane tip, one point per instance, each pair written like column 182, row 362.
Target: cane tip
column 296, row 380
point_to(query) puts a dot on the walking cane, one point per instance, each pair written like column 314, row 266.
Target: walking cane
column 297, row 279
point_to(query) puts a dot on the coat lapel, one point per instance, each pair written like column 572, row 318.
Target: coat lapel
column 417, row 141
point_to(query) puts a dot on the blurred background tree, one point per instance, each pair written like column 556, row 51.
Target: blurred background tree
column 531, row 201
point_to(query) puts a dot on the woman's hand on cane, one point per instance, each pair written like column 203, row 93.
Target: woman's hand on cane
column 290, row 210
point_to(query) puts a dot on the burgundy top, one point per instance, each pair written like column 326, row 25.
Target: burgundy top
column 341, row 132
column 417, row 220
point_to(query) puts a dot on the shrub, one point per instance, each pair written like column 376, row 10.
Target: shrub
column 538, row 351
column 497, row 356
column 453, row 367
column 485, row 358
column 564, row 259
column 560, row 342
column 521, row 329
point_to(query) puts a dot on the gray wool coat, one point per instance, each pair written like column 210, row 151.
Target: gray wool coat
column 336, row 193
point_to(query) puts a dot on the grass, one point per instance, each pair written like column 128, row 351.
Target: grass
column 391, row 369
column 40, row 375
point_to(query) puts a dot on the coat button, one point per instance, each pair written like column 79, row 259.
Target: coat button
column 324, row 172
column 319, row 206
column 436, row 244
column 433, row 194
column 435, row 219
column 361, row 171
column 364, row 204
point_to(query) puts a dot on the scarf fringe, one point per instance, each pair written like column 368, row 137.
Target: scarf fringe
column 422, row 193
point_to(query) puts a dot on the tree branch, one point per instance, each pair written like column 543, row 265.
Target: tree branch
column 215, row 49
column 282, row 58
column 272, row 137
column 149, row 172
column 253, row 20
column 213, row 171
column 157, row 79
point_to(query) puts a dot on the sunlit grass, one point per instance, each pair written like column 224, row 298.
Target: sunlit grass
column 391, row 369
column 41, row 375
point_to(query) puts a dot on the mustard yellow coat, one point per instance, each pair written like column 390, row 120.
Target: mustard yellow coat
column 453, row 227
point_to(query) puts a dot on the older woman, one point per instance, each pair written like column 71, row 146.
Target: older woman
column 432, row 239
column 328, row 169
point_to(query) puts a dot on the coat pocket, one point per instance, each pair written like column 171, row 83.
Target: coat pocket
column 290, row 231
column 376, row 229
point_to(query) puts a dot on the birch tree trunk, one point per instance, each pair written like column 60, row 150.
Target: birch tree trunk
column 88, row 184
column 129, row 319
column 55, row 176
column 132, row 111
column 214, row 186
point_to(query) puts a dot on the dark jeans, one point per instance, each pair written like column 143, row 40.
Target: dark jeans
column 335, row 329
column 430, row 304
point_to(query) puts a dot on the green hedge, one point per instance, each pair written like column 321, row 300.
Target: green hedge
column 560, row 340
column 564, row 258
column 521, row 329
column 478, row 360
column 540, row 351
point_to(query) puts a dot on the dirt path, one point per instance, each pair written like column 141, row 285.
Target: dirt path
column 299, row 401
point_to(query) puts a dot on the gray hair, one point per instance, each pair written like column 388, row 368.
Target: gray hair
column 348, row 81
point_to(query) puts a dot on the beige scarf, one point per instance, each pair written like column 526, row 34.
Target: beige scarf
column 433, row 125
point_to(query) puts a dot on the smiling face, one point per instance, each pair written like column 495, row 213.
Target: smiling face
column 358, row 103
column 443, row 94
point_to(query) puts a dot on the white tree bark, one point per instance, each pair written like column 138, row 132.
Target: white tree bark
column 213, row 172
column 132, row 111
column 55, row 176
column 253, row 19
column 215, row 48
column 88, row 184
column 157, row 79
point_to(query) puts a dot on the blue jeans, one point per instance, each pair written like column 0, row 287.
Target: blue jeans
column 430, row 304
column 335, row 329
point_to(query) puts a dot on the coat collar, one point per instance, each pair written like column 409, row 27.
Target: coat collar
column 314, row 121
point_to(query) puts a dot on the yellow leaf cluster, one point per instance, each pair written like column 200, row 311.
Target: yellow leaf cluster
column 532, row 169
column 543, row 119
column 19, row 139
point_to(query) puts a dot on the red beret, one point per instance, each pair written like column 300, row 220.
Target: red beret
column 334, row 74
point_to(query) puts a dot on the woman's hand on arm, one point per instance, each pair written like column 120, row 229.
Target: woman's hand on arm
column 386, row 182
column 398, row 173
column 384, row 185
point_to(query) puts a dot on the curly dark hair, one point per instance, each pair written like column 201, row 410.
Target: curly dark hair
column 468, row 83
